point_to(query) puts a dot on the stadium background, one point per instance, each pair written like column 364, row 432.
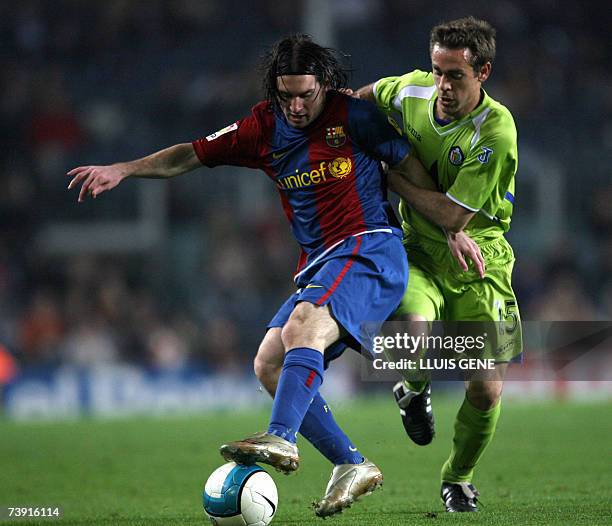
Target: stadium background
column 151, row 301
column 167, row 281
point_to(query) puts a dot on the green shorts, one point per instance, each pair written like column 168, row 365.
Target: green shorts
column 438, row 289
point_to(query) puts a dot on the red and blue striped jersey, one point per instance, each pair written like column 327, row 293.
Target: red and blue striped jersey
column 328, row 174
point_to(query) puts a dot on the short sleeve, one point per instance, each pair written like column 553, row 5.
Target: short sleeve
column 386, row 91
column 236, row 145
column 389, row 92
column 488, row 161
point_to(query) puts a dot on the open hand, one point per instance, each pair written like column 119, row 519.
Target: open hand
column 95, row 179
column 463, row 246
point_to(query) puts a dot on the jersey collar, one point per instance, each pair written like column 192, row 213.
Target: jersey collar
column 454, row 125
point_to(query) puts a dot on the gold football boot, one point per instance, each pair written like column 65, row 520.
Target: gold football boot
column 266, row 448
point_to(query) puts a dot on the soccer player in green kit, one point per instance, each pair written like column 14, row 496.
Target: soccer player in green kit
column 468, row 143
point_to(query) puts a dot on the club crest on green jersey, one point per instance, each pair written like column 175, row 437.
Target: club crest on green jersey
column 484, row 156
column 335, row 136
column 455, row 155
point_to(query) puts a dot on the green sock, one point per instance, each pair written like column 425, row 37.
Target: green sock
column 416, row 385
column 416, row 380
column 474, row 430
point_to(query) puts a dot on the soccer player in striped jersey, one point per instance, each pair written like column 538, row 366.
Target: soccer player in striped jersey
column 323, row 152
column 468, row 143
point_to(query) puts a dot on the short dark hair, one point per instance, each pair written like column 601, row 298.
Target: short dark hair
column 298, row 55
column 476, row 35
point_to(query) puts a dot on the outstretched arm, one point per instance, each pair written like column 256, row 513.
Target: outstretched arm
column 170, row 162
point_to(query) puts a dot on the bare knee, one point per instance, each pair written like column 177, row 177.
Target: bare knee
column 292, row 332
column 310, row 326
column 484, row 395
column 264, row 370
column 268, row 361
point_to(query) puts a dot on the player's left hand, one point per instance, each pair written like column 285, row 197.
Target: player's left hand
column 463, row 246
column 349, row 91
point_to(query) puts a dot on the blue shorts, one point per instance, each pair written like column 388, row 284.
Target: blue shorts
column 362, row 280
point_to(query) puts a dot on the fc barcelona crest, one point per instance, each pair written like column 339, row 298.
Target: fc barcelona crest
column 455, row 155
column 335, row 136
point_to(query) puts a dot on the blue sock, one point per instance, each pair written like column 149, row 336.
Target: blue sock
column 322, row 431
column 299, row 381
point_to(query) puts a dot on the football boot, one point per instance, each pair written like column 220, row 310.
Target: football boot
column 266, row 448
column 460, row 497
column 348, row 483
column 415, row 410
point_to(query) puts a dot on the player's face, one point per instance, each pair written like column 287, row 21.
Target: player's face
column 301, row 98
column 457, row 83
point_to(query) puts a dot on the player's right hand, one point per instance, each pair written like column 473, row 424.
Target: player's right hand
column 96, row 179
column 463, row 246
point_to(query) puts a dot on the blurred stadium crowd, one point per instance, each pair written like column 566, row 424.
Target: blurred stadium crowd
column 97, row 82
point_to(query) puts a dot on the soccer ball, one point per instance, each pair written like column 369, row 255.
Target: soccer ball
column 238, row 495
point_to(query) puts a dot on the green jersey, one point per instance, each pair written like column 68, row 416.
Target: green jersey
column 473, row 160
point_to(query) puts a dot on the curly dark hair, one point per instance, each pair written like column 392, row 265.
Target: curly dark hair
column 476, row 35
column 298, row 55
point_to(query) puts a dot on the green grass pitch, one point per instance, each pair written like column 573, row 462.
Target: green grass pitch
column 550, row 463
